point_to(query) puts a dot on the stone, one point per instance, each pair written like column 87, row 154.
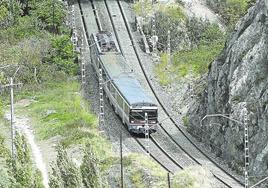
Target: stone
column 237, row 85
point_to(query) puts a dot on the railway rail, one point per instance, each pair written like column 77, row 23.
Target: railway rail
column 167, row 113
column 166, row 161
column 153, row 141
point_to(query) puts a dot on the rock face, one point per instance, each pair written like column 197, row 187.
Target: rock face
column 237, row 85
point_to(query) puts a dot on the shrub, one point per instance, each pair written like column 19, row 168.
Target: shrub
column 62, row 55
column 44, row 13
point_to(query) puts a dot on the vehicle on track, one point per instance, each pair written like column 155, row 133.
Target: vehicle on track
column 123, row 90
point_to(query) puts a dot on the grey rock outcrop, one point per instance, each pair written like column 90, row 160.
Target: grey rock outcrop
column 237, row 85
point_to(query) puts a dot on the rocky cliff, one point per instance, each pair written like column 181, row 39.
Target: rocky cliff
column 237, row 86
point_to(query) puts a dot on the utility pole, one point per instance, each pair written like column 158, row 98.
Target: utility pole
column 168, row 179
column 12, row 116
column 11, row 10
column 82, row 63
column 154, row 38
column 147, row 133
column 168, row 48
column 53, row 15
column 121, row 159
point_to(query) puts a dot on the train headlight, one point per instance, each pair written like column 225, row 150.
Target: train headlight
column 131, row 121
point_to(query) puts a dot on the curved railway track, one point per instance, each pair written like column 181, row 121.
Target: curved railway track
column 167, row 113
column 153, row 141
column 156, row 152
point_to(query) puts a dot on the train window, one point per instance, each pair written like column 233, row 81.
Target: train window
column 104, row 76
column 119, row 101
column 139, row 114
column 109, row 86
column 113, row 90
column 126, row 108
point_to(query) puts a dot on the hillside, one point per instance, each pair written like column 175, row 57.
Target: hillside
column 236, row 86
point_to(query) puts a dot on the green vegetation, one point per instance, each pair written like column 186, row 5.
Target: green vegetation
column 59, row 107
column 140, row 167
column 174, row 12
column 27, row 41
column 231, row 10
column 89, row 169
column 161, row 70
column 20, row 173
column 193, row 177
column 143, row 8
column 194, row 61
column 65, row 173
column 185, row 121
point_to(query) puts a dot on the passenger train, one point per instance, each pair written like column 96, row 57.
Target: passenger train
column 125, row 93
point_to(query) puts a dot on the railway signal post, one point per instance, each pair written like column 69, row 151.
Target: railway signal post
column 82, row 63
column 101, row 113
column 168, row 48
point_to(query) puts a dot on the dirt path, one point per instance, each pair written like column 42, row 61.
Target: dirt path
column 23, row 126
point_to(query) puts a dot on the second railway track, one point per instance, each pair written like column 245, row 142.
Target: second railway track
column 120, row 13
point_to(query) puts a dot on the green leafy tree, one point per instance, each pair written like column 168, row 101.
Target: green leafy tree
column 3, row 11
column 89, row 169
column 21, row 171
column 37, row 180
column 62, row 55
column 4, row 178
column 52, row 13
column 69, row 174
column 55, row 180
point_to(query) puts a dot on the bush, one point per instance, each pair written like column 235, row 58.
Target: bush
column 44, row 13
column 1, row 108
column 3, row 11
column 231, row 10
column 62, row 55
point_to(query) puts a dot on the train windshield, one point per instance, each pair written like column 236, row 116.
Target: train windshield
column 140, row 115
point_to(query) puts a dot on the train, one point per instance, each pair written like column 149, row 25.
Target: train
column 128, row 98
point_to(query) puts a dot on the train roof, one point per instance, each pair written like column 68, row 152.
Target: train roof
column 124, row 80
column 114, row 64
column 132, row 91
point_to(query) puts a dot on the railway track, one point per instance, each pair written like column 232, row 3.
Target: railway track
column 168, row 115
column 153, row 142
column 157, row 153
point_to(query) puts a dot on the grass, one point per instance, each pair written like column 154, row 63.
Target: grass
column 173, row 11
column 141, row 169
column 58, row 109
column 193, row 62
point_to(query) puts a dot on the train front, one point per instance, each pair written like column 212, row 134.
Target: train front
column 142, row 115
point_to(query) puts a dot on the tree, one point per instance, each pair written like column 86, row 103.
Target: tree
column 21, row 170
column 89, row 169
column 55, row 180
column 62, row 55
column 65, row 171
column 52, row 13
